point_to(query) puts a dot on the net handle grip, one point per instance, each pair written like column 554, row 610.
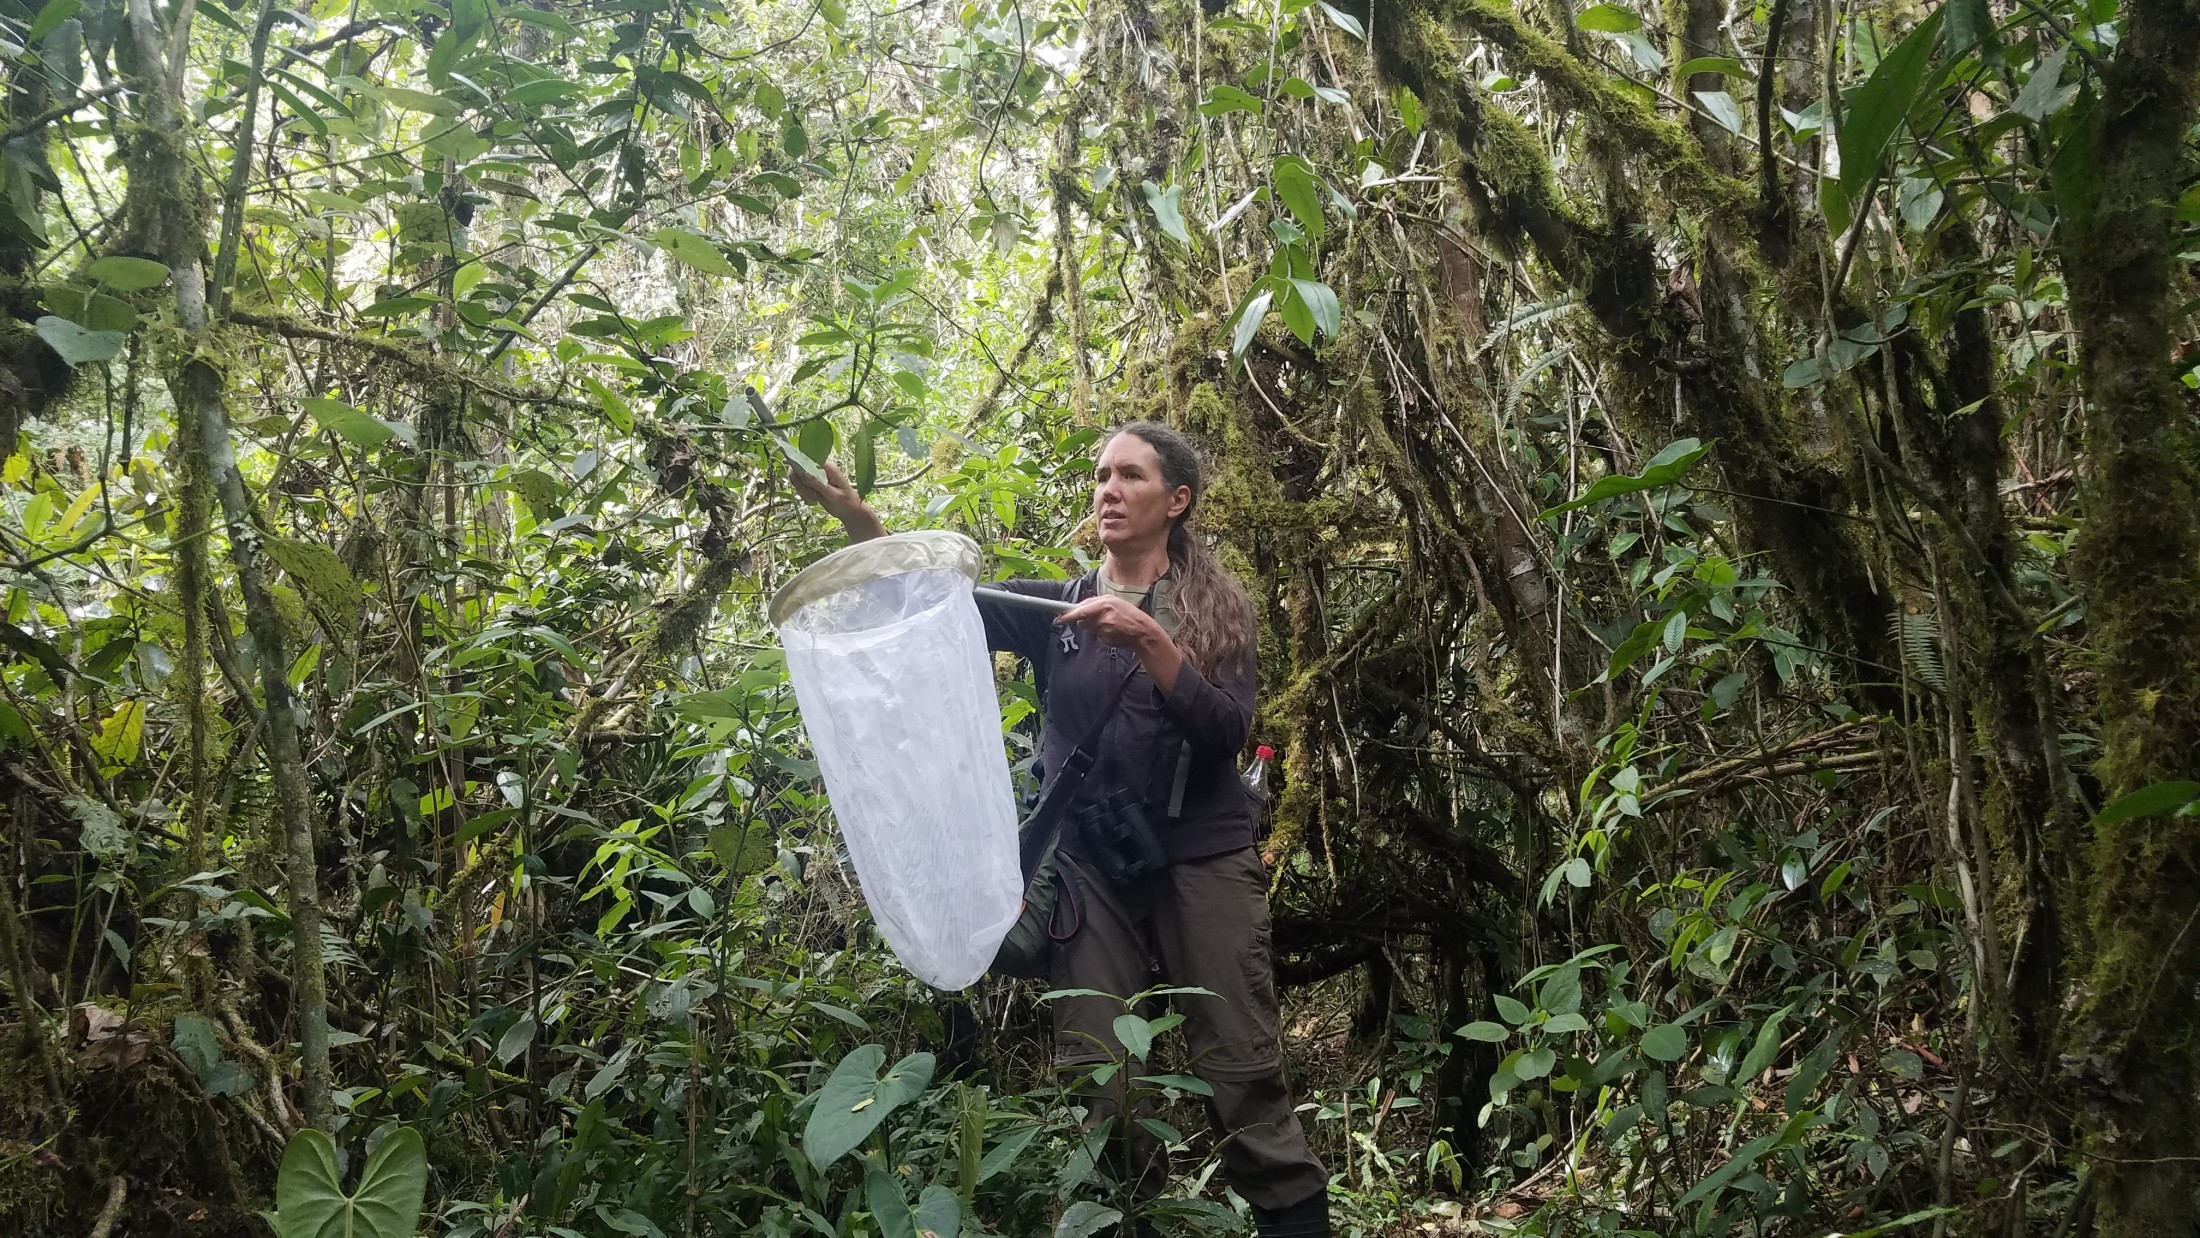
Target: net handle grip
column 1003, row 597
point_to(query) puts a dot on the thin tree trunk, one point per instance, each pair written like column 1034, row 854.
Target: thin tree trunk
column 2137, row 560
column 165, row 212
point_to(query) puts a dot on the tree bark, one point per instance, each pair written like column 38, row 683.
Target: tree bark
column 164, row 212
column 2137, row 559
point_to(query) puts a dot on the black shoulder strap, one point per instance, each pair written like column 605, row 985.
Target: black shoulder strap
column 1046, row 818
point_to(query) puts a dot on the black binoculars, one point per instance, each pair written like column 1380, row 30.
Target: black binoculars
column 1120, row 837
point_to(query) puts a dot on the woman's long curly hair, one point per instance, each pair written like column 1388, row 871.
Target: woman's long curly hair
column 1214, row 617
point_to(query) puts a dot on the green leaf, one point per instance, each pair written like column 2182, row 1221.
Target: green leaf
column 78, row 345
column 542, row 90
column 1509, row 1010
column 2040, row 97
column 415, row 100
column 1711, row 64
column 856, row 1098
column 351, row 423
column 1085, row 1218
column 1136, row 1035
column 1168, row 210
column 1607, row 19
column 1322, row 301
column 1345, row 21
column 693, row 249
column 2163, row 799
column 1664, row 469
column 50, row 18
column 1004, row 1154
column 515, row 1039
column 939, row 1213
column 1248, row 320
column 126, row 274
column 1535, row 1063
column 1722, row 109
column 1878, row 107
column 1409, row 109
column 310, row 1201
column 1762, row 1053
column 882, row 1194
column 1300, row 191
column 1743, row 1158
column 1223, row 99
column 1971, row 24
column 1667, row 1042
column 816, row 439
column 1483, row 1029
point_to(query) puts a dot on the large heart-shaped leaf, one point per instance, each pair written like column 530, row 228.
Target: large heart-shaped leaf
column 78, row 345
column 309, row 1195
column 856, row 1098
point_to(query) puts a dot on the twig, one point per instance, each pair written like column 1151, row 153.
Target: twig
column 57, row 111
column 117, row 1190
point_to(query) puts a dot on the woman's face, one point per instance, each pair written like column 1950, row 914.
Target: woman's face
column 1130, row 502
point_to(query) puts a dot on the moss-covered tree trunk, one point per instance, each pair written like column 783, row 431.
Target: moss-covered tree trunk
column 164, row 214
column 2139, row 559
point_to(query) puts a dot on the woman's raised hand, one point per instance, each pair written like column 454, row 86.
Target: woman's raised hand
column 837, row 496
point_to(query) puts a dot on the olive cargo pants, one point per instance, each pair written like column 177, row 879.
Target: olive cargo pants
column 1206, row 921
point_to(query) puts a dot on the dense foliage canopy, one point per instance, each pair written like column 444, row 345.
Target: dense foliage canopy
column 1720, row 485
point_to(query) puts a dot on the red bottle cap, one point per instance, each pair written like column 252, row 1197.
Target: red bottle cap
column 1265, row 753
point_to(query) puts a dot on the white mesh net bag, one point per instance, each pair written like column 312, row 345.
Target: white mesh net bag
column 890, row 669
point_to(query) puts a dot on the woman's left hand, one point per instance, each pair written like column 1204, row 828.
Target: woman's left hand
column 1116, row 622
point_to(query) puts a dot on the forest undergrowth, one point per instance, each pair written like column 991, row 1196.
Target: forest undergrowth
column 1720, row 487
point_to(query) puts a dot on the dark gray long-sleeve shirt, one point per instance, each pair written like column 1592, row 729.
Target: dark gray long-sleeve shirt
column 1141, row 745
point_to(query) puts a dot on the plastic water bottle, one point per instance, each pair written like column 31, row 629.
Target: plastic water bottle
column 1255, row 776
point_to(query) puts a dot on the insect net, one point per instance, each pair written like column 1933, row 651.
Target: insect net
column 890, row 670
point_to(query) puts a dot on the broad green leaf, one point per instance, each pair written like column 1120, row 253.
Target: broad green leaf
column 542, row 90
column 1878, row 107
column 1664, row 469
column 938, row 1213
column 310, row 1201
column 1761, row 1053
column 1535, row 1063
column 1667, row 1042
column 1711, row 64
column 882, row 1194
column 1223, row 99
column 1136, row 1034
column 78, row 345
column 856, row 1098
column 2041, row 97
column 1483, row 1029
column 1721, row 106
column 1322, row 301
column 120, row 737
column 2163, row 799
column 1249, row 315
column 1607, row 19
column 1298, row 188
column 1511, row 1011
column 1345, row 21
column 1168, row 210
column 127, row 274
column 816, row 438
column 515, row 1039
column 416, row 100
column 350, row 422
column 1409, row 110
column 1003, row 1154
column 50, row 17
column 692, row 249
column 1085, row 1218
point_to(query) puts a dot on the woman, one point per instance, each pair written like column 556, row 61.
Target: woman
column 1161, row 613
